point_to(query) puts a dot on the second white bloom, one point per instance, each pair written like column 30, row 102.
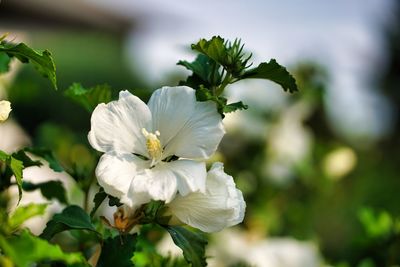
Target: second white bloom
column 142, row 142
column 221, row 205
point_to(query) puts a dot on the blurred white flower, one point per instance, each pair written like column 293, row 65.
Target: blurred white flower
column 141, row 142
column 39, row 175
column 12, row 137
column 232, row 246
column 339, row 162
column 222, row 205
column 263, row 97
column 283, row 252
column 5, row 109
column 289, row 142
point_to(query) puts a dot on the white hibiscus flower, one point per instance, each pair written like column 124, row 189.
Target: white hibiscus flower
column 142, row 142
column 222, row 205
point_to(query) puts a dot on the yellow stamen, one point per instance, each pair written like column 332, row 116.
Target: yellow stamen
column 153, row 145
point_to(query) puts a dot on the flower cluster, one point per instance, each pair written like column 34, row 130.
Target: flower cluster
column 158, row 151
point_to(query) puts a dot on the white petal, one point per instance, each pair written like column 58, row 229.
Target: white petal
column 191, row 175
column 158, row 183
column 200, row 136
column 117, row 126
column 115, row 173
column 201, row 211
column 218, row 182
column 166, row 179
column 170, row 108
column 188, row 128
column 221, row 206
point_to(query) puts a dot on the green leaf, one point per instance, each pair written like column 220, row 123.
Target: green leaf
column 118, row 251
column 151, row 212
column 23, row 213
column 50, row 190
column 47, row 155
column 113, row 201
column 98, row 199
column 205, row 72
column 16, row 166
column 146, row 254
column 25, row 250
column 234, row 106
column 274, row 72
column 42, row 61
column 200, row 67
column 26, row 160
column 229, row 55
column 376, row 224
column 91, row 97
column 214, row 49
column 72, row 217
column 203, row 94
column 4, row 156
column 192, row 244
column 4, row 62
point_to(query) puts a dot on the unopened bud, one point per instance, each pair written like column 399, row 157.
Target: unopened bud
column 5, row 109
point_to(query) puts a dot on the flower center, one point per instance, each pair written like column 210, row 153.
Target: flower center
column 153, row 145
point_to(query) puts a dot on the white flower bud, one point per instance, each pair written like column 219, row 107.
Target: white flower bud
column 5, row 109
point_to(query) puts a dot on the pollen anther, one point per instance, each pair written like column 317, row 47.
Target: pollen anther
column 153, row 145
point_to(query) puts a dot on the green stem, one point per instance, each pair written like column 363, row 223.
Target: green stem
column 213, row 72
column 86, row 193
column 225, row 82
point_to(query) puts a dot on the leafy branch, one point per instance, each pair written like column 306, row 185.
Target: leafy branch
column 42, row 61
column 221, row 63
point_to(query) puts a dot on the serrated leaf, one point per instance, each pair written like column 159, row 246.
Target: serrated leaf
column 16, row 166
column 89, row 98
column 42, row 61
column 192, row 244
column 49, row 189
column 98, row 199
column 234, row 106
column 213, row 48
column 26, row 250
column 205, row 72
column 26, row 160
column 274, row 72
column 47, row 155
column 72, row 217
column 118, row 251
column 23, row 213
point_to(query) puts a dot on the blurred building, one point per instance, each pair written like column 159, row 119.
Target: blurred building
column 38, row 15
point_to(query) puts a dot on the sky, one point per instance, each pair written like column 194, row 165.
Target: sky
column 344, row 36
